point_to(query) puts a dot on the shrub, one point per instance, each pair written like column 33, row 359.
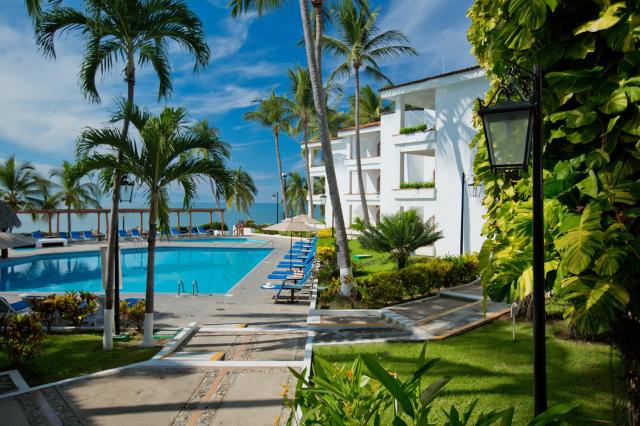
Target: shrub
column 327, row 272
column 410, row 130
column 124, row 314
column 22, row 338
column 48, row 309
column 417, row 185
column 414, row 280
column 216, row 226
column 77, row 306
column 326, row 254
column 325, row 233
column 381, row 288
column 136, row 315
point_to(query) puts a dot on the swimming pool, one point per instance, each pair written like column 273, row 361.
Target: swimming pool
column 217, row 270
column 232, row 240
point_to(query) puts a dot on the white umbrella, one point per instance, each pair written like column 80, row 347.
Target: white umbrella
column 305, row 219
column 288, row 225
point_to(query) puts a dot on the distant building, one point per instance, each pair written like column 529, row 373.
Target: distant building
column 438, row 155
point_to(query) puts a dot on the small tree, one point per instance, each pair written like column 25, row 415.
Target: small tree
column 400, row 235
column 48, row 308
column 22, row 338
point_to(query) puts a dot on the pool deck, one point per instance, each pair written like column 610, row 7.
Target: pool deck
column 243, row 326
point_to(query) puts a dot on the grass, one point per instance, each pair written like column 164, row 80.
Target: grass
column 71, row 355
column 485, row 364
column 376, row 263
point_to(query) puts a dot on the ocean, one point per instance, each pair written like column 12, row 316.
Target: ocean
column 259, row 212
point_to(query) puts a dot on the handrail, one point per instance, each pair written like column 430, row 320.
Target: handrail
column 194, row 288
column 181, row 287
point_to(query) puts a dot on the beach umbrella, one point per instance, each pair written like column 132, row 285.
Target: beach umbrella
column 8, row 218
column 8, row 241
column 289, row 225
column 303, row 218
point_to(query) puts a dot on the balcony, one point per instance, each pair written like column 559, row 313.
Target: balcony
column 423, row 194
column 428, row 135
column 355, row 198
column 367, row 161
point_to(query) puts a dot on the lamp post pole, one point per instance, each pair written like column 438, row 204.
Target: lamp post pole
column 276, row 197
column 126, row 189
column 539, row 350
column 464, row 183
column 284, row 178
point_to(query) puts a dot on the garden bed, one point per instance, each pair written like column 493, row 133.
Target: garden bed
column 76, row 354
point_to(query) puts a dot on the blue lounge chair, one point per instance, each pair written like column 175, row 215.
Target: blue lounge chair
column 88, row 235
column 37, row 235
column 136, row 234
column 298, row 285
column 132, row 300
column 7, row 308
column 123, row 234
column 203, row 231
column 282, row 274
column 64, row 235
column 77, row 236
column 175, row 232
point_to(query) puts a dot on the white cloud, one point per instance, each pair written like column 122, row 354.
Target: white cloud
column 236, row 33
column 230, row 97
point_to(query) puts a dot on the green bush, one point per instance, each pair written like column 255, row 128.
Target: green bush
column 48, row 309
column 414, row 280
column 136, row 315
column 410, row 130
column 326, row 255
column 124, row 314
column 77, row 306
column 417, row 185
column 216, row 226
column 22, row 338
column 381, row 288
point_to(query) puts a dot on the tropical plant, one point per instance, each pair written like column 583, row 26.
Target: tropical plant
column 588, row 56
column 118, row 30
column 136, row 315
column 272, row 112
column 371, row 105
column 297, row 193
column 400, row 234
column 35, row 8
column 22, row 338
column 72, row 192
column 48, row 202
column 362, row 46
column 313, row 48
column 301, row 106
column 48, row 308
column 20, row 185
column 203, row 130
column 167, row 153
column 241, row 190
column 76, row 307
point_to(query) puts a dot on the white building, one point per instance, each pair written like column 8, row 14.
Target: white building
column 439, row 155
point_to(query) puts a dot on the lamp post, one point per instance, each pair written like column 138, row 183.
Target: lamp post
column 284, row 179
column 323, row 202
column 472, row 192
column 126, row 195
column 276, row 197
column 513, row 128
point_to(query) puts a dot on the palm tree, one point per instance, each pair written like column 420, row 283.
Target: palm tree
column 115, row 30
column 72, row 192
column 314, row 64
column 49, row 201
column 371, row 105
column 273, row 112
column 301, row 106
column 203, row 130
column 362, row 45
column 241, row 191
column 400, row 234
column 297, row 192
column 166, row 154
column 20, row 185
column 35, row 9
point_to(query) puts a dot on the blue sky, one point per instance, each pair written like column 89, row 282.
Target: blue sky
column 43, row 109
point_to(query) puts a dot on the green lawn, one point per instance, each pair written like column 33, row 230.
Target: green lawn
column 376, row 263
column 71, row 355
column 487, row 365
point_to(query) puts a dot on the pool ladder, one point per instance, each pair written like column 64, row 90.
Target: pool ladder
column 195, row 290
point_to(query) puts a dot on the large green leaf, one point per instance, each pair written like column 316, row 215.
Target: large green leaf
column 528, row 13
column 583, row 135
column 390, row 383
column 616, row 104
column 575, row 118
column 609, row 262
column 579, row 245
column 574, row 81
column 589, row 185
column 609, row 17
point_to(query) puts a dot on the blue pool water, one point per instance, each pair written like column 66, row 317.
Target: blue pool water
column 233, row 240
column 216, row 270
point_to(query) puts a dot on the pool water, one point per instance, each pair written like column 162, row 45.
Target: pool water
column 233, row 240
column 217, row 270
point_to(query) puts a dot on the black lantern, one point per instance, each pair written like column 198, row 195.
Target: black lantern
column 475, row 190
column 508, row 124
column 126, row 189
column 323, row 199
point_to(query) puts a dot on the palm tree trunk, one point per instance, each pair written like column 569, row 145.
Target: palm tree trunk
column 151, row 256
column 317, row 5
column 107, row 340
column 68, row 220
column 305, row 137
column 50, row 217
column 343, row 256
column 276, row 135
column 363, row 195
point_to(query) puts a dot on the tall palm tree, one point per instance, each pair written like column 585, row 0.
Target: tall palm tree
column 301, row 106
column 35, row 8
column 362, row 46
column 314, row 64
column 371, row 105
column 115, row 30
column 20, row 185
column 241, row 191
column 272, row 112
column 166, row 154
column 297, row 189
column 49, row 201
column 74, row 193
column 203, row 130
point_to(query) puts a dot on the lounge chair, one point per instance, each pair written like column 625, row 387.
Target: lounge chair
column 37, row 235
column 64, row 235
column 175, row 232
column 282, row 274
column 136, row 235
column 297, row 286
column 132, row 300
column 203, row 231
column 7, row 308
column 88, row 235
column 77, row 236
column 123, row 235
